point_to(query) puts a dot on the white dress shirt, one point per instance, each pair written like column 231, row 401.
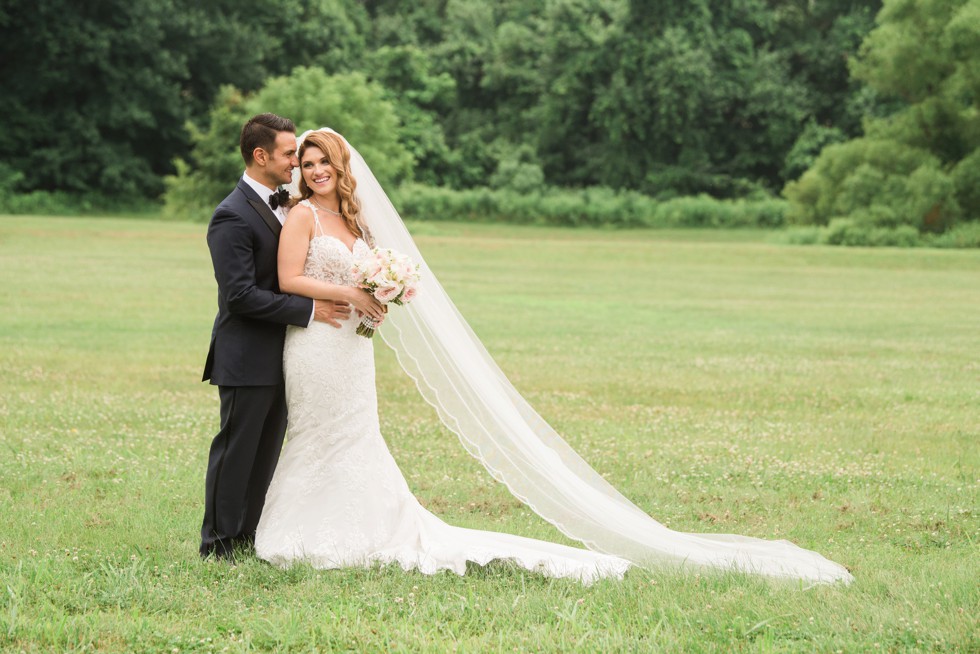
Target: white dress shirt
column 265, row 192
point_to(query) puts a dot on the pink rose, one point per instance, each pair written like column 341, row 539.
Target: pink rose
column 409, row 294
column 387, row 293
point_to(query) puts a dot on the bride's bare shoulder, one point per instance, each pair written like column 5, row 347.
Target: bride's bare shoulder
column 300, row 213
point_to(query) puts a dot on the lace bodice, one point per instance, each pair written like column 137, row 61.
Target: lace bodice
column 329, row 259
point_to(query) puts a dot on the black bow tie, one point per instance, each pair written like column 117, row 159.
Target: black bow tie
column 279, row 199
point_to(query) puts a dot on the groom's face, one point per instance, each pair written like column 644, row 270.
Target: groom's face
column 282, row 159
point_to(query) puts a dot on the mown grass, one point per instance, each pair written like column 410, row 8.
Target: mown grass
column 725, row 384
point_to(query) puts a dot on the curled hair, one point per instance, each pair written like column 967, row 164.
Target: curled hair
column 260, row 132
column 338, row 154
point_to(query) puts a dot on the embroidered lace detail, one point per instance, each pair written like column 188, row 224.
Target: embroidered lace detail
column 329, row 260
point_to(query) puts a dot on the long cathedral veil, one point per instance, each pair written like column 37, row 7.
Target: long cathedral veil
column 474, row 399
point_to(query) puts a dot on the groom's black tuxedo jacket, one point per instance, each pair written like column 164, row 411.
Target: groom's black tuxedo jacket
column 250, row 328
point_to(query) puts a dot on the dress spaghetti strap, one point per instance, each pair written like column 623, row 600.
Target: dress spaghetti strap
column 317, row 228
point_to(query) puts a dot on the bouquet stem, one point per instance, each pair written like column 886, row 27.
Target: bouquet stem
column 369, row 325
column 364, row 330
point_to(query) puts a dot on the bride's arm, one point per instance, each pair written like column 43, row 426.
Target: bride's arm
column 294, row 244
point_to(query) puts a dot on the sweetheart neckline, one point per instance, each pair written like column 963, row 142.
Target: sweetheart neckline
column 350, row 249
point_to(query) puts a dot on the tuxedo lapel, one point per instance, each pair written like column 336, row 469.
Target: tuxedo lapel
column 261, row 208
column 270, row 218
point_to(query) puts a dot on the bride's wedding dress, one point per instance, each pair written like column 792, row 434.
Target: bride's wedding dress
column 338, row 498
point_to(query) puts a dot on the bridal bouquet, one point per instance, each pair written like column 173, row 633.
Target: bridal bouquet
column 391, row 277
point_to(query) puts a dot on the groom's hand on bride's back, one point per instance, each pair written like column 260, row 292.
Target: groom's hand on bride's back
column 330, row 312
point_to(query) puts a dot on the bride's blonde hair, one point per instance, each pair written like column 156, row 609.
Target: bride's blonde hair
column 338, row 154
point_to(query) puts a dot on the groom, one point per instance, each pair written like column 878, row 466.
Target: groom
column 245, row 357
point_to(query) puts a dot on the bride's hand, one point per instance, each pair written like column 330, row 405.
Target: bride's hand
column 366, row 304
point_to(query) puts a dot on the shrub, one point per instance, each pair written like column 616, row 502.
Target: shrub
column 517, row 169
column 592, row 206
column 807, row 147
column 769, row 212
column 811, row 235
column 966, row 181
column 846, row 231
column 349, row 104
column 850, row 232
column 61, row 202
column 698, row 211
column 964, row 235
column 213, row 164
column 881, row 182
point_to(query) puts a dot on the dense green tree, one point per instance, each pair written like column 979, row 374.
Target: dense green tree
column 819, row 39
column 918, row 166
column 707, row 96
column 419, row 95
column 395, row 23
column 669, row 98
column 89, row 90
column 347, row 103
column 97, row 94
column 464, row 51
column 577, row 38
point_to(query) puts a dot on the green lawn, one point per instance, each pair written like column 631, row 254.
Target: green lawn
column 725, row 384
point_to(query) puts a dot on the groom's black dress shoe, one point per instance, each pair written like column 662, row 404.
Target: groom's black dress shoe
column 218, row 550
column 229, row 550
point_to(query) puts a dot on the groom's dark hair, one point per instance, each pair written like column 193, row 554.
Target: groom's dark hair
column 260, row 132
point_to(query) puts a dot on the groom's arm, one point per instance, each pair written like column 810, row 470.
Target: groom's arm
column 233, row 257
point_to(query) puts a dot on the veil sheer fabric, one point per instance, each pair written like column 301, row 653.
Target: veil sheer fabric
column 474, row 399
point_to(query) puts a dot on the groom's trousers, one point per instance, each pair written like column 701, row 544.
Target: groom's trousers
column 241, row 462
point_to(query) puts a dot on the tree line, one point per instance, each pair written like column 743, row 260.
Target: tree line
column 731, row 99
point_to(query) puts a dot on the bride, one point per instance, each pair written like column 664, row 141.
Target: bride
column 338, row 498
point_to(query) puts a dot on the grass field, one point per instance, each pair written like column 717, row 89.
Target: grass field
column 725, row 384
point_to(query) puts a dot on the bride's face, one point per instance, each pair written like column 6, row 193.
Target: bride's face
column 319, row 175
